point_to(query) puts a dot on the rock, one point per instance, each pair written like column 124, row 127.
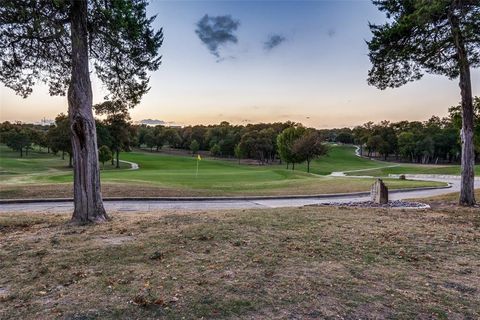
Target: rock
column 379, row 192
column 157, row 255
column 3, row 295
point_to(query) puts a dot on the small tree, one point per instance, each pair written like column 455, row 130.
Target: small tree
column 117, row 124
column 149, row 140
column 285, row 142
column 239, row 152
column 59, row 137
column 309, row 147
column 18, row 140
column 194, row 146
column 215, row 150
column 171, row 136
column 159, row 138
column 104, row 155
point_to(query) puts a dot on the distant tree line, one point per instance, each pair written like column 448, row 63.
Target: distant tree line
column 436, row 140
column 115, row 133
column 264, row 142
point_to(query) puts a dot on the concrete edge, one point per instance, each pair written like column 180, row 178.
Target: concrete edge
column 241, row 198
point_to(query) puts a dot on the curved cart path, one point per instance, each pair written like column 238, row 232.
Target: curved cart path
column 133, row 165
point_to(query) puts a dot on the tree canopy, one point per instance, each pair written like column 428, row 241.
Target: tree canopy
column 418, row 39
column 35, row 45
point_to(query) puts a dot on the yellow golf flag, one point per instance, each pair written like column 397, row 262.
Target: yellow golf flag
column 198, row 157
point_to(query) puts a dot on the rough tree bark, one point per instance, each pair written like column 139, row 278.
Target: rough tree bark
column 467, row 193
column 88, row 203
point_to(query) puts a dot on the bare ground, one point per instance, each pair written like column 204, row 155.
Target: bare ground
column 303, row 263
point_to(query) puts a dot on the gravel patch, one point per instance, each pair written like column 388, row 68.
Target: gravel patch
column 370, row 204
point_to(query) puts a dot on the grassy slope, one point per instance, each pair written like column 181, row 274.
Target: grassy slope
column 167, row 175
column 303, row 263
column 35, row 167
column 415, row 169
column 341, row 158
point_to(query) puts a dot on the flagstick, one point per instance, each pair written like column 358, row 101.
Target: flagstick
column 196, row 174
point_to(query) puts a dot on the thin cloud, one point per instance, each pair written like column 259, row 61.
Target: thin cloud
column 217, row 31
column 152, row 122
column 273, row 41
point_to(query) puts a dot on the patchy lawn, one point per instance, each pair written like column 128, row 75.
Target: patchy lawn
column 320, row 185
column 302, row 263
column 447, row 200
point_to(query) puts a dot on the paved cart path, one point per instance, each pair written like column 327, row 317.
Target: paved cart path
column 243, row 203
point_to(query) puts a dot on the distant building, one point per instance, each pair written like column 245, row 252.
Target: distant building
column 44, row 122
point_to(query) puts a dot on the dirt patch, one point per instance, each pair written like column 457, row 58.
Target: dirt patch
column 114, row 241
column 302, row 263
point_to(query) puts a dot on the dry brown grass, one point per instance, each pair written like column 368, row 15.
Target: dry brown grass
column 65, row 190
column 301, row 263
column 324, row 186
column 447, row 200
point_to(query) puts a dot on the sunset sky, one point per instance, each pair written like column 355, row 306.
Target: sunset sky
column 299, row 61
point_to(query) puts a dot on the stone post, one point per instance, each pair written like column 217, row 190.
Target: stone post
column 379, row 192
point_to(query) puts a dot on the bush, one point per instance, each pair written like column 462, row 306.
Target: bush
column 104, row 154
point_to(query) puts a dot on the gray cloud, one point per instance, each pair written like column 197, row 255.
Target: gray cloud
column 217, row 31
column 331, row 32
column 152, row 122
column 274, row 40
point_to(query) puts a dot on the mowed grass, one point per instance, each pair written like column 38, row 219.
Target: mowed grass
column 169, row 175
column 414, row 169
column 297, row 263
column 340, row 158
column 36, row 166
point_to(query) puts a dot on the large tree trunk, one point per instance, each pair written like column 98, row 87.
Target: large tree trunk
column 88, row 203
column 467, row 191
